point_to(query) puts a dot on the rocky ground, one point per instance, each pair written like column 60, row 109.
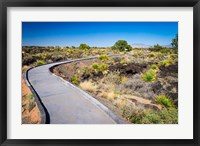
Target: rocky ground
column 136, row 85
column 30, row 111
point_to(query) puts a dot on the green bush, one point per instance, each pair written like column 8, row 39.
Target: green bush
column 165, row 50
column 165, row 116
column 43, row 56
column 95, row 66
column 154, row 67
column 156, row 48
column 40, row 62
column 103, row 68
column 30, row 96
column 103, row 58
column 173, row 56
column 166, row 62
column 151, row 55
column 149, row 76
column 164, row 100
column 124, row 63
column 75, row 80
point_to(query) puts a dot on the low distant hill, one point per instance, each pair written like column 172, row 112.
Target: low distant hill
column 168, row 46
column 148, row 46
column 140, row 46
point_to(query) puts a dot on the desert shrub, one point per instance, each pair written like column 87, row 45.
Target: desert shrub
column 151, row 55
column 159, row 54
column 143, row 62
column 85, row 71
column 75, row 80
column 123, row 79
column 43, row 56
column 95, row 66
column 103, row 67
column 149, row 76
column 156, row 48
column 28, row 59
column 40, row 62
column 154, row 67
column 138, row 87
column 110, row 95
column 103, row 58
column 138, row 53
column 164, row 100
column 165, row 116
column 123, row 62
column 150, row 118
column 173, row 56
column 77, row 53
column 113, row 77
column 88, row 86
column 30, row 96
column 57, row 57
column 165, row 50
column 166, row 62
column 128, row 110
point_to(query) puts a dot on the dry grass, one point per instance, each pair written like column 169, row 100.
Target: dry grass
column 88, row 86
column 111, row 95
column 124, row 80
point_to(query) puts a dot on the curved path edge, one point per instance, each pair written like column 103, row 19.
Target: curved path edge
column 44, row 111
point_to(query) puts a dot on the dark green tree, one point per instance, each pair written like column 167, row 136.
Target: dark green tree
column 122, row 45
column 175, row 42
column 84, row 47
column 158, row 47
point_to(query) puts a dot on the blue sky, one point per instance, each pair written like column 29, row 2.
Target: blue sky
column 100, row 34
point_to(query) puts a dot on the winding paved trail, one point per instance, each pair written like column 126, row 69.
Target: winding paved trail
column 66, row 103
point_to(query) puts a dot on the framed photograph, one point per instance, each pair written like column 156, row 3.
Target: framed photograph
column 99, row 72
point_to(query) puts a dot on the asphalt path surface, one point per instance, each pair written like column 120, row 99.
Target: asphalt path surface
column 65, row 103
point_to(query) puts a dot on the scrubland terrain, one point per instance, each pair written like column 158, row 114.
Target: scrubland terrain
column 33, row 56
column 141, row 85
column 30, row 111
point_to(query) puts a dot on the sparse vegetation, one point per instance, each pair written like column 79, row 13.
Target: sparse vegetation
column 141, row 85
column 88, row 86
column 103, row 58
column 40, row 62
column 154, row 67
column 165, row 100
column 166, row 62
column 169, row 116
column 103, row 68
column 75, row 79
column 95, row 66
column 149, row 76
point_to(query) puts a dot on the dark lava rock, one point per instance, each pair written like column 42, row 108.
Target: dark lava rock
column 129, row 69
column 166, row 71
